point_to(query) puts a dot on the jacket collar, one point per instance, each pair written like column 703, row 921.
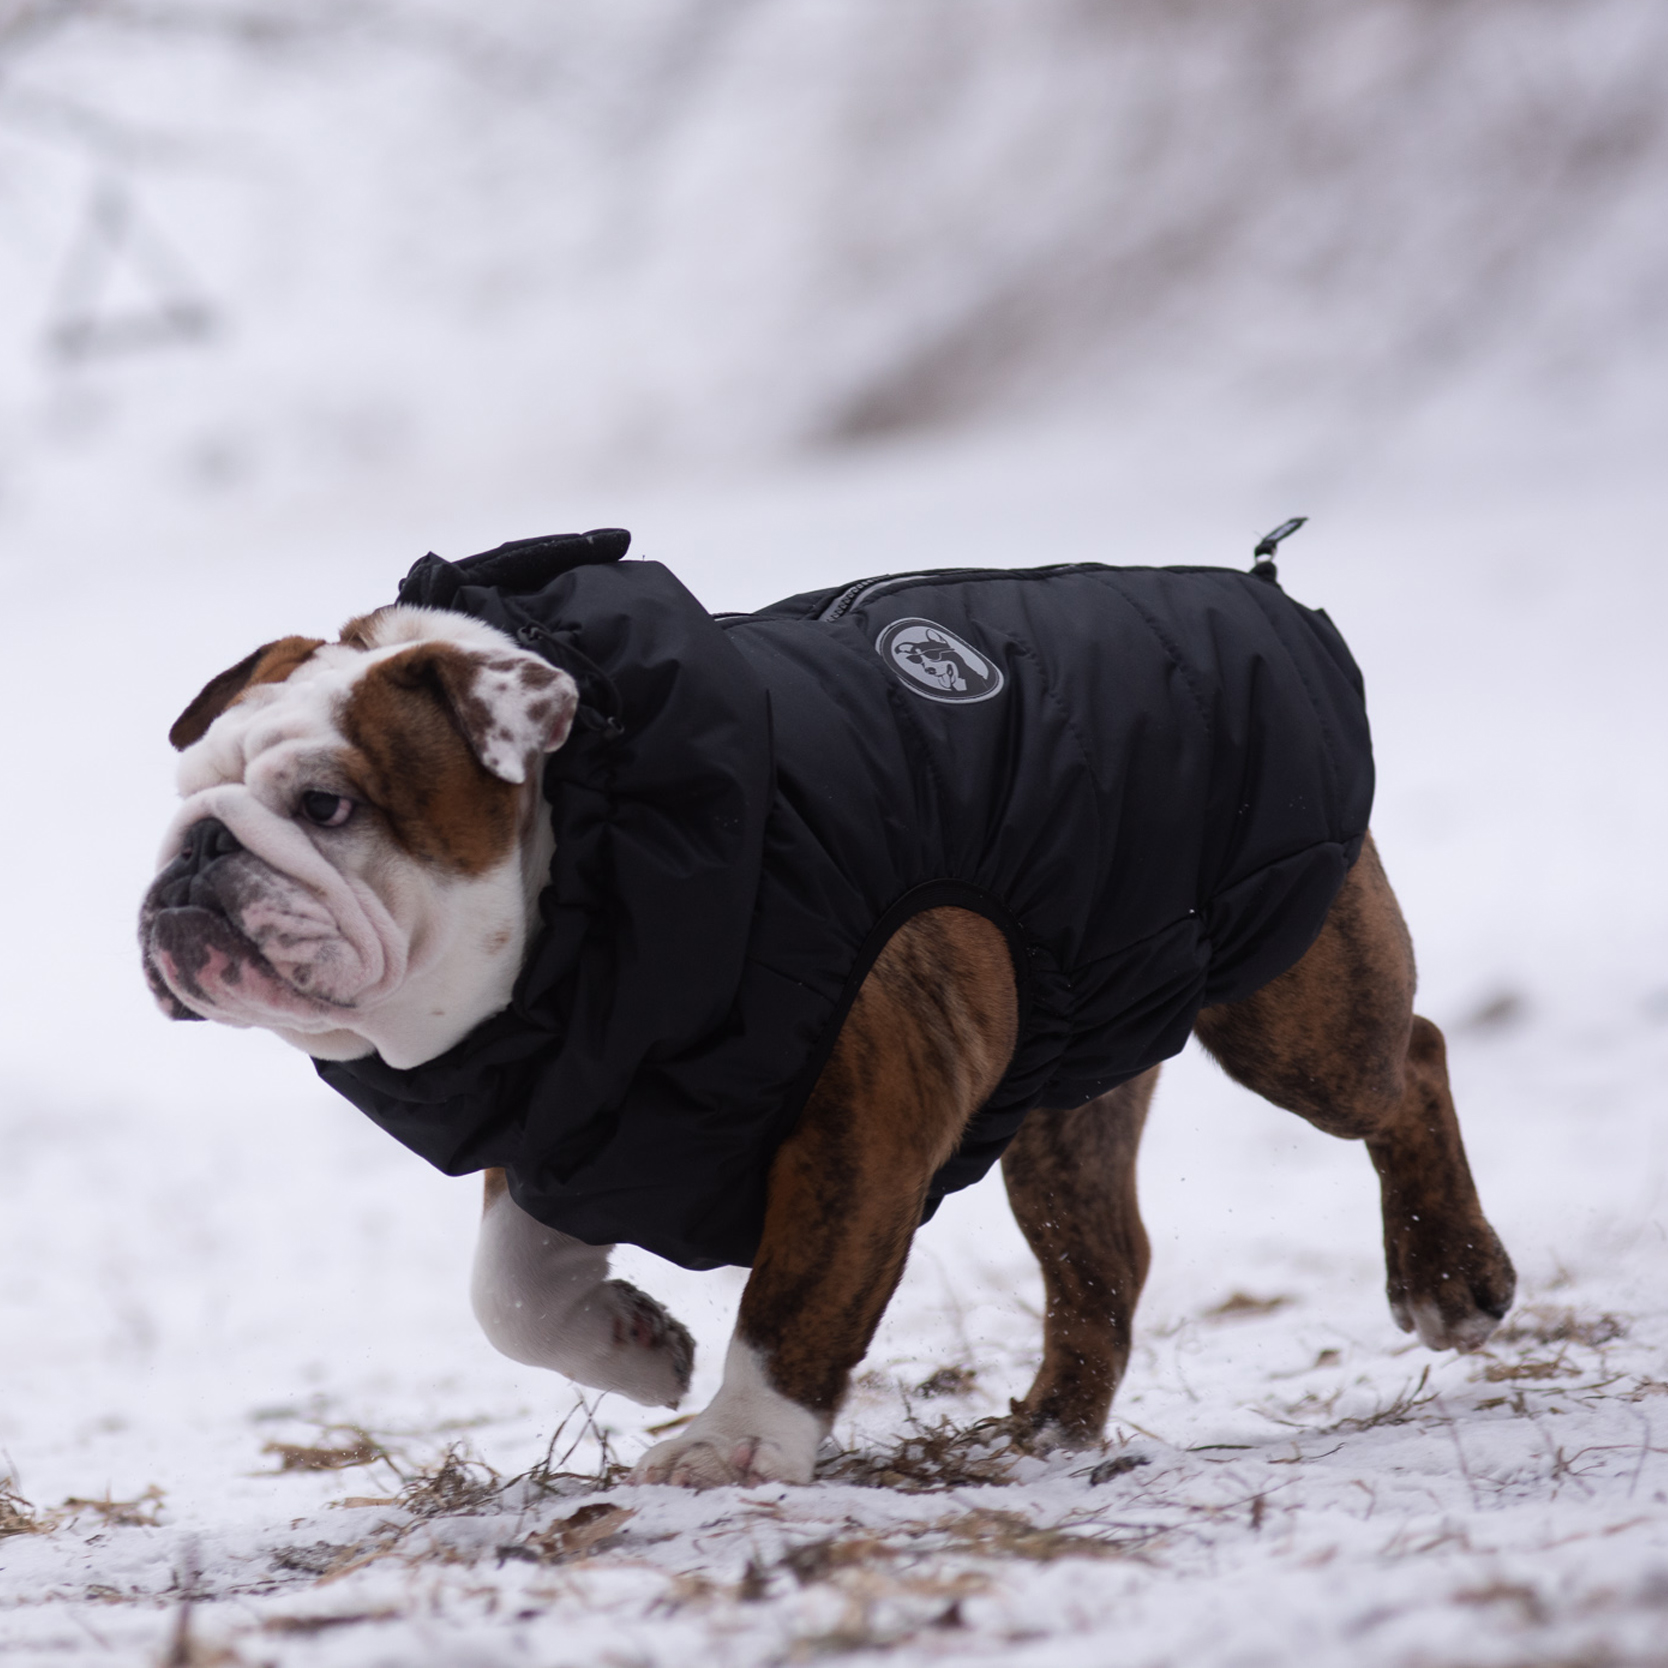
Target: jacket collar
column 658, row 803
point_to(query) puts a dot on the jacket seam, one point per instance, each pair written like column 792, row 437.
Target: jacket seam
column 1174, row 655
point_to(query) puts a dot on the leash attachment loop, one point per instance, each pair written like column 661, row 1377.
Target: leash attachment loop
column 1262, row 558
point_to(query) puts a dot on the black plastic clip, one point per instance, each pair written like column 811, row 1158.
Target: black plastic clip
column 592, row 680
column 1262, row 565
column 599, row 723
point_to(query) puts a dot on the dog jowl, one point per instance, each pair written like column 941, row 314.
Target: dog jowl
column 748, row 939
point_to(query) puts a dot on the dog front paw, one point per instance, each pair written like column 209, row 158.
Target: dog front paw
column 653, row 1353
column 751, row 1433
column 691, row 1460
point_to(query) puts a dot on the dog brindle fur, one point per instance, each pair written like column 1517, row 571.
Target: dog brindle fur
column 408, row 720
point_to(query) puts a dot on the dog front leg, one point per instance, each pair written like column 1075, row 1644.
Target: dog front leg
column 544, row 1298
column 1071, row 1181
column 926, row 1041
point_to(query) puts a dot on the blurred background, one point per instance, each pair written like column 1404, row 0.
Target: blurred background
column 292, row 292
column 351, row 246
column 800, row 291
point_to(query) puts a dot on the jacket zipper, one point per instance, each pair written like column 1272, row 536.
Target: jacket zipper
column 852, row 595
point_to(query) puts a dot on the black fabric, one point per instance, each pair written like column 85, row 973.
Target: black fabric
column 520, row 565
column 1155, row 786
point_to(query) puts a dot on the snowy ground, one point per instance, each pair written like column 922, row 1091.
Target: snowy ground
column 209, row 1266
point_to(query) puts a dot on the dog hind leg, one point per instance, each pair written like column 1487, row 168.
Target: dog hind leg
column 926, row 1041
column 544, row 1298
column 1070, row 1177
column 1335, row 1039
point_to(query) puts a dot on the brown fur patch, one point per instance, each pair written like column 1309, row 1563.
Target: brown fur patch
column 1328, row 1038
column 270, row 663
column 925, row 1043
column 494, row 1185
column 413, row 763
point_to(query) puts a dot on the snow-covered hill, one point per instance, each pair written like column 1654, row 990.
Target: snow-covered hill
column 246, row 241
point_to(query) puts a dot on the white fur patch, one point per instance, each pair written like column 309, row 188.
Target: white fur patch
column 750, row 1433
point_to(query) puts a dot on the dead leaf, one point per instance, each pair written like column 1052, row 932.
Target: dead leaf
column 1239, row 1304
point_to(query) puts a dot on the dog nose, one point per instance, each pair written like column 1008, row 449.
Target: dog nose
column 205, row 841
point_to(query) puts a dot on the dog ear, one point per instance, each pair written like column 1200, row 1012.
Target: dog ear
column 509, row 706
column 270, row 663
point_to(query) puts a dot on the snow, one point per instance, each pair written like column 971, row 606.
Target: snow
column 204, row 1253
column 206, row 1258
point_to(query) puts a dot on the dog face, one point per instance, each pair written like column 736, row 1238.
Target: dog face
column 937, row 662
column 359, row 846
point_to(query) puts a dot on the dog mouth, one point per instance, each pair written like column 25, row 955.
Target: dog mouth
column 248, row 923
column 232, row 940
column 201, row 965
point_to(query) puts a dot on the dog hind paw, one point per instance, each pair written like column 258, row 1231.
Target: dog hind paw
column 1457, row 1311
column 1438, row 1330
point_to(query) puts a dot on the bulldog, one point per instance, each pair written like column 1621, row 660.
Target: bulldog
column 747, row 938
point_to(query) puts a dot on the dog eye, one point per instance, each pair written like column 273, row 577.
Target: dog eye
column 328, row 810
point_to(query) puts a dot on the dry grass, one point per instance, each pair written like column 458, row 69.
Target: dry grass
column 910, row 1582
column 1506, row 1372
column 903, row 1582
column 17, row 1516
column 997, row 1534
column 1401, row 1409
column 823, row 1560
column 1530, row 1606
column 551, row 1474
column 881, row 1611
column 578, row 1535
column 306, row 1626
column 458, row 1485
column 929, row 1458
column 1119, row 1465
column 351, row 1446
column 1548, row 1324
column 186, row 1650
column 142, row 1513
column 948, row 1381
column 317, row 1558
column 1242, row 1305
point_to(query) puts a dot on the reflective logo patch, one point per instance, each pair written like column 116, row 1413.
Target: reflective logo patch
column 936, row 663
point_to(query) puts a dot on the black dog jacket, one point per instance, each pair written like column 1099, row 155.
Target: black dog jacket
column 1152, row 779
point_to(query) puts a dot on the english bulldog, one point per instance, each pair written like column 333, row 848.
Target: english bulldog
column 357, row 864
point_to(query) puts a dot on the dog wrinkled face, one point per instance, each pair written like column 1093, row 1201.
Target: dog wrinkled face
column 360, row 843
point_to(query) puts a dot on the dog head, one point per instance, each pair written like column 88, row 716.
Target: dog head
column 937, row 661
column 360, row 845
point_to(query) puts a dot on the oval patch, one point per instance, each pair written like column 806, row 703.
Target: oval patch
column 936, row 663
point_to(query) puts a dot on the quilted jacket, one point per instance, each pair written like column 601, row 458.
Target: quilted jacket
column 1152, row 779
